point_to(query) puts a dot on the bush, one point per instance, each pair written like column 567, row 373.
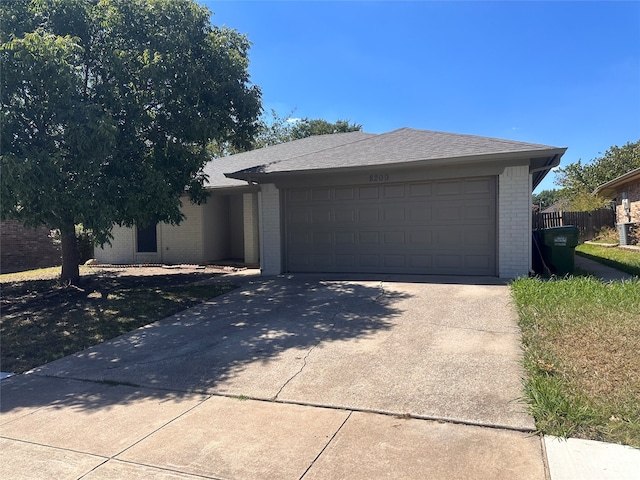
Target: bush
column 634, row 234
column 85, row 243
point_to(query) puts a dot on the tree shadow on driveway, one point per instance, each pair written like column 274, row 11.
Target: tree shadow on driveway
column 251, row 342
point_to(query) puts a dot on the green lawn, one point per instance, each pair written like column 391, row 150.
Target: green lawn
column 43, row 321
column 625, row 260
column 581, row 338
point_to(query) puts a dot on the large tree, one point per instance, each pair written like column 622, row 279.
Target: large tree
column 579, row 180
column 274, row 129
column 109, row 108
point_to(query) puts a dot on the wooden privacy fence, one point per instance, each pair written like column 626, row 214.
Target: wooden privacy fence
column 589, row 223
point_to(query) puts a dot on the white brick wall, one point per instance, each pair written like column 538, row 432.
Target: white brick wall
column 270, row 230
column 251, row 234
column 122, row 247
column 514, row 222
column 183, row 243
column 176, row 244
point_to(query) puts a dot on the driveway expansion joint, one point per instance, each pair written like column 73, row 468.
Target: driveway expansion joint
column 325, row 446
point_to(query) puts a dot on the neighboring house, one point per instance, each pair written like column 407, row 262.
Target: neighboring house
column 625, row 191
column 25, row 248
column 406, row 201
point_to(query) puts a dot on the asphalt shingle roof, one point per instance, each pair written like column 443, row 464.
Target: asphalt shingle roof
column 360, row 149
column 216, row 169
column 401, row 146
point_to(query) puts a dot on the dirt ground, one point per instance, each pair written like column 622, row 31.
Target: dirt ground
column 41, row 290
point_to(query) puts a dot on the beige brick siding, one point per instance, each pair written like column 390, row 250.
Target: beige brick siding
column 122, row 247
column 251, row 235
column 26, row 248
column 176, row 244
column 183, row 243
column 270, row 230
column 633, row 194
column 514, row 222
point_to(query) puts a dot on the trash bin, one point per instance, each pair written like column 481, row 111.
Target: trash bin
column 558, row 249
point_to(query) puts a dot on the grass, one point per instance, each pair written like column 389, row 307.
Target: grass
column 625, row 260
column 581, row 338
column 43, row 321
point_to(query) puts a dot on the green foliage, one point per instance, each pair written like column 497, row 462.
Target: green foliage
column 109, row 109
column 579, row 180
column 584, row 201
column 307, row 128
column 85, row 241
column 545, row 198
column 275, row 129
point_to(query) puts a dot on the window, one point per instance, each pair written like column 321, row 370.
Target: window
column 147, row 239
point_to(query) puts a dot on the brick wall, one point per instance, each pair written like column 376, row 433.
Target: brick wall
column 633, row 193
column 514, row 222
column 26, row 248
column 176, row 244
column 270, row 230
column 121, row 249
column 183, row 243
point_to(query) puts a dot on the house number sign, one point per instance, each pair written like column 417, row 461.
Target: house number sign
column 379, row 177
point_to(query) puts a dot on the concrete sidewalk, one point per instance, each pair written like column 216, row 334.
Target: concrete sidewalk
column 96, row 431
column 599, row 270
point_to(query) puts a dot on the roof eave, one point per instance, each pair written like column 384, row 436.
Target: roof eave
column 258, row 176
column 610, row 189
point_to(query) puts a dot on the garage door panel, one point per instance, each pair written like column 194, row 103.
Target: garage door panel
column 369, row 215
column 320, row 215
column 448, row 188
column 475, row 186
column 421, row 262
column 420, row 215
column 393, row 191
column 393, row 214
column 345, row 262
column 369, row 238
column 345, row 193
column 323, row 239
column 394, row 261
column 479, row 262
column 420, row 238
column 394, row 238
column 345, row 238
column 419, row 189
column 477, row 212
column 368, row 193
column 440, row 227
column 478, row 238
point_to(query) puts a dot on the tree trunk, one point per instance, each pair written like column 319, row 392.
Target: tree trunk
column 70, row 255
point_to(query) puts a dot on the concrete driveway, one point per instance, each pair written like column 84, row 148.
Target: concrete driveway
column 290, row 377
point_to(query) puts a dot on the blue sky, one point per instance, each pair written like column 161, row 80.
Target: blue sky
column 565, row 74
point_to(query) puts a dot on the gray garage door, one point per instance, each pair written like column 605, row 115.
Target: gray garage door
column 436, row 227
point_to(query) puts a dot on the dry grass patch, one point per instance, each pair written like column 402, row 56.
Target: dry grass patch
column 581, row 338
